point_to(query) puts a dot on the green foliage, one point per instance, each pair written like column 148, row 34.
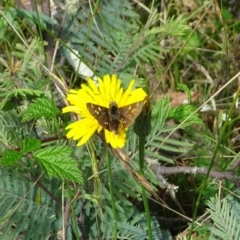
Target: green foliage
column 56, row 162
column 32, row 16
column 156, row 141
column 10, row 156
column 22, row 77
column 131, row 224
column 7, row 104
column 30, row 145
column 21, row 213
column 11, row 130
column 230, row 19
column 112, row 28
column 42, row 107
column 185, row 88
column 191, row 43
column 186, row 114
column 226, row 220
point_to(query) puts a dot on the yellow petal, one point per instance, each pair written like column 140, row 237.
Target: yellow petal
column 87, row 136
column 119, row 96
column 87, row 93
column 83, row 128
column 71, row 109
column 113, row 88
column 125, row 95
column 93, row 86
column 115, row 140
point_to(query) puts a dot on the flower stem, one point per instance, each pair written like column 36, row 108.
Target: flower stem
column 144, row 195
column 112, row 196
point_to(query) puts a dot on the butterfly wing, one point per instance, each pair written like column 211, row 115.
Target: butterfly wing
column 130, row 112
column 100, row 113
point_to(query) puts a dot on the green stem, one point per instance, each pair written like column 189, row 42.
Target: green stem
column 144, row 195
column 112, row 196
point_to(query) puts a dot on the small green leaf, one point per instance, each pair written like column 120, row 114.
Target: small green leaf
column 42, row 107
column 56, row 162
column 30, row 145
column 10, row 157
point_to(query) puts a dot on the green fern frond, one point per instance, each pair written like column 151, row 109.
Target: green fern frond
column 115, row 32
column 174, row 26
column 226, row 225
column 20, row 213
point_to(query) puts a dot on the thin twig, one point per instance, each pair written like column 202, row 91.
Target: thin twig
column 161, row 171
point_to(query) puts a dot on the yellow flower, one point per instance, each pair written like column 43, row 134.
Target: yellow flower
column 106, row 107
